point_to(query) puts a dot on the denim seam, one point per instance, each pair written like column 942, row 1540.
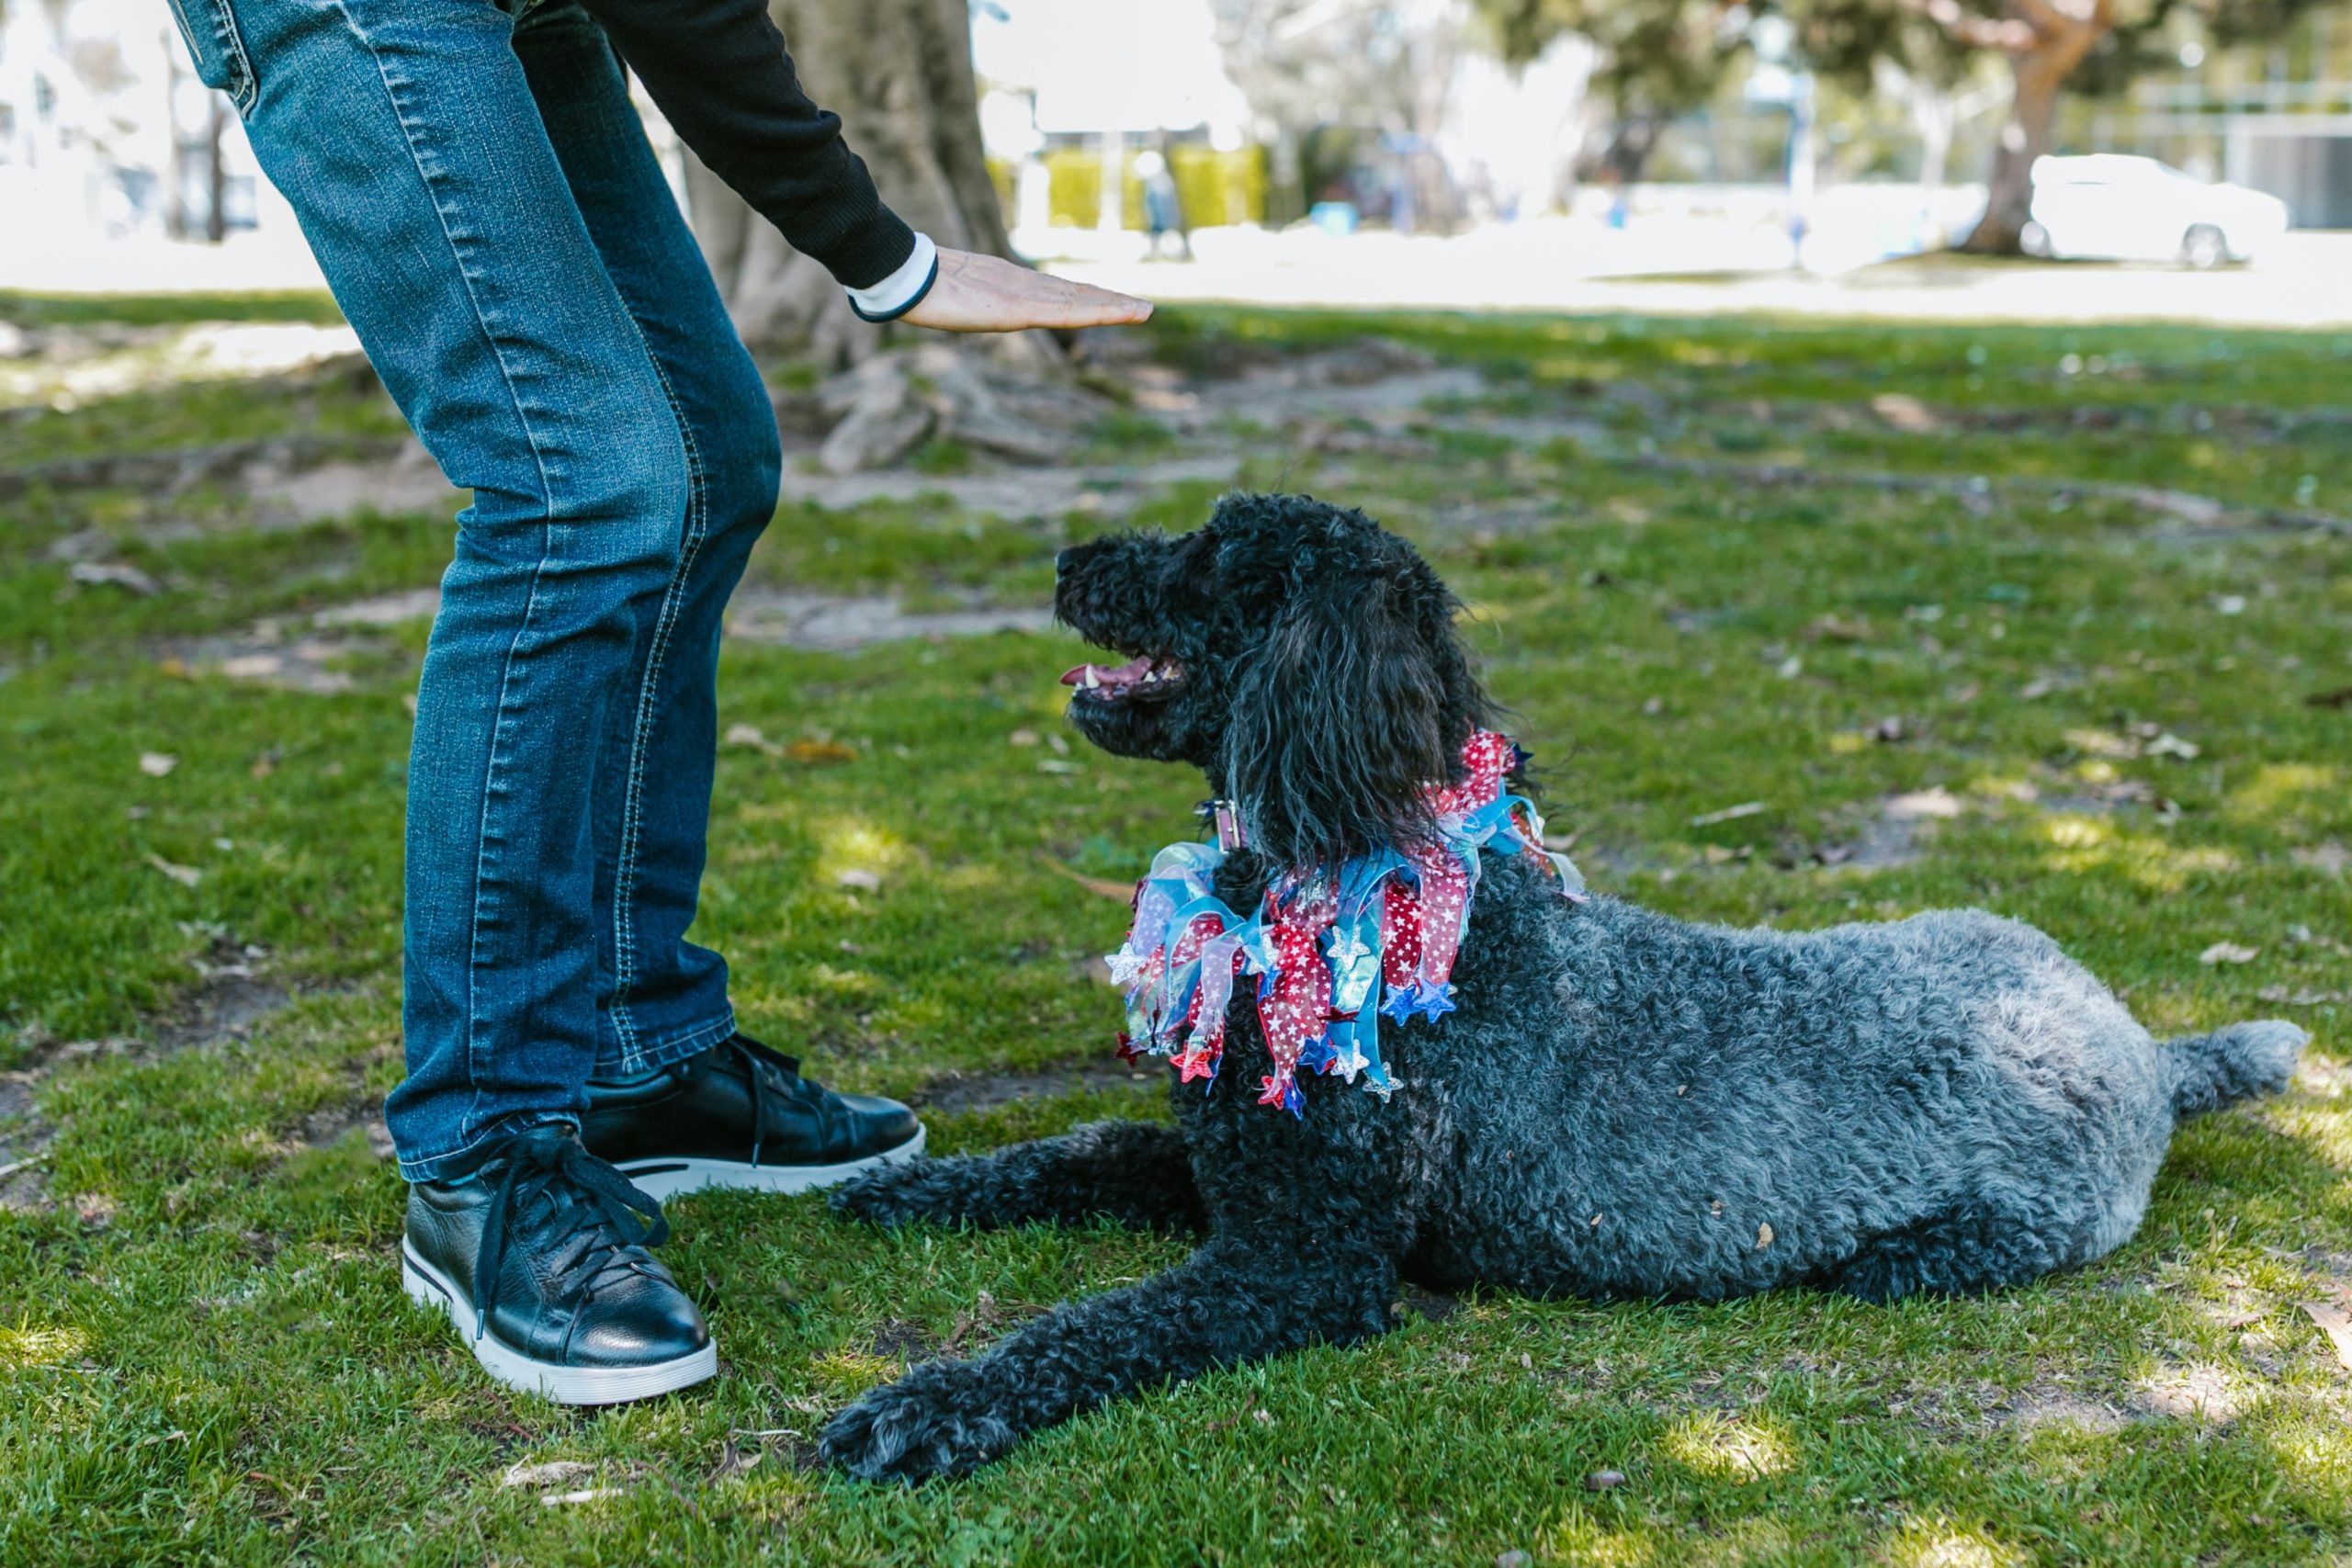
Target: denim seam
column 474, row 1067
column 697, row 527
column 687, row 1043
column 244, row 86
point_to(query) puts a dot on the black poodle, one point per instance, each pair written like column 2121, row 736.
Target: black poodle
column 1617, row 1104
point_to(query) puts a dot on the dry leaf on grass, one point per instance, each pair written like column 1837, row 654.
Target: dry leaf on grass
column 2228, row 952
column 818, row 751
column 186, row 875
column 1728, row 814
column 2336, row 1323
column 858, row 877
column 155, row 764
column 1123, row 891
column 749, row 734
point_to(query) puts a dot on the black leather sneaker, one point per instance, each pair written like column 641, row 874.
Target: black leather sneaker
column 741, row 1115
column 538, row 1257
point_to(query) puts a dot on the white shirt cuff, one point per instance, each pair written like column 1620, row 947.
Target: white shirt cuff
column 903, row 290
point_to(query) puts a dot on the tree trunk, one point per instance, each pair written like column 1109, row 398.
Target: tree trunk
column 899, row 74
column 2040, row 73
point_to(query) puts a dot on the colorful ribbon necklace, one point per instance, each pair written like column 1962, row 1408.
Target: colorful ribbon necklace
column 1326, row 948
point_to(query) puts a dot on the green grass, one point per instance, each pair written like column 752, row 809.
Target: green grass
column 204, row 1355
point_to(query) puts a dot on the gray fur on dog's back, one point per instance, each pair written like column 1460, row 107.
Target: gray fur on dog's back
column 1944, row 1102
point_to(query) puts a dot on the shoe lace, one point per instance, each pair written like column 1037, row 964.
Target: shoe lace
column 590, row 1208
column 772, row 1072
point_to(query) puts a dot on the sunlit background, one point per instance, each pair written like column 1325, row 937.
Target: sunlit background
column 1494, row 153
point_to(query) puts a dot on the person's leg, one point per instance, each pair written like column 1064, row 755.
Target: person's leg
column 661, row 998
column 679, row 1099
column 408, row 142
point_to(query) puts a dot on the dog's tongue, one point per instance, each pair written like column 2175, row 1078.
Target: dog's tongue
column 1127, row 674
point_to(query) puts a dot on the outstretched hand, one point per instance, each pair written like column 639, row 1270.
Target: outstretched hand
column 988, row 294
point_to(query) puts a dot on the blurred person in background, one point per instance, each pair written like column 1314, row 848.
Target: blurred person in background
column 482, row 197
column 1163, row 204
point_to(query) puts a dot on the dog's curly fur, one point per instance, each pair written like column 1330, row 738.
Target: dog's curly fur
column 1621, row 1104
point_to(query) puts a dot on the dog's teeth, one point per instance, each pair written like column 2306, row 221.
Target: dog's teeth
column 1093, row 678
column 1150, row 675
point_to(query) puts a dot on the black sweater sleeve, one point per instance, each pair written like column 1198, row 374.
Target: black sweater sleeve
column 719, row 70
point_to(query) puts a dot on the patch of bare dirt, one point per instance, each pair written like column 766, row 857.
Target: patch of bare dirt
column 2041, row 1410
column 305, row 657
column 1107, row 490
column 404, row 478
column 24, row 1144
column 982, row 1091
column 835, row 624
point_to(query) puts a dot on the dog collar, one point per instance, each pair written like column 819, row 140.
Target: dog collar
column 1332, row 952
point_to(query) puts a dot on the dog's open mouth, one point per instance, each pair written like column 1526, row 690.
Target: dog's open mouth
column 1141, row 677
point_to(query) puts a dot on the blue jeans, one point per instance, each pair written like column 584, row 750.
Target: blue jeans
column 483, row 202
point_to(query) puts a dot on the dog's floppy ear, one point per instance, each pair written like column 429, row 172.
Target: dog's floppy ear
column 1357, row 699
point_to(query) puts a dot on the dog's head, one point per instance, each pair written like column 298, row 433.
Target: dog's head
column 1299, row 653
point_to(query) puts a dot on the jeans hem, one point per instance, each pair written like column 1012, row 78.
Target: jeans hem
column 675, row 1048
column 461, row 1160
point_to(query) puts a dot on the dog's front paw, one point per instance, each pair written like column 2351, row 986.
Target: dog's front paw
column 932, row 1423
column 892, row 1195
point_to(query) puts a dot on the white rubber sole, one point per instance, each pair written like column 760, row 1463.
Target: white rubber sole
column 666, row 1179
column 565, row 1385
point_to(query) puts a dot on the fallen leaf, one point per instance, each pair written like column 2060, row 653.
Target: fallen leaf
column 858, row 877
column 2336, row 1323
column 586, row 1495
column 1023, row 737
column 1790, row 667
column 1604, row 1479
column 186, row 875
column 1830, row 628
column 819, row 751
column 1056, row 765
column 733, row 1462
column 115, row 574
column 1728, row 814
column 2228, row 952
column 1123, row 891
column 1906, row 412
column 550, row 1473
column 155, row 764
column 1763, row 1236
column 1938, row 802
column 2171, row 745
column 2036, row 689
column 749, row 734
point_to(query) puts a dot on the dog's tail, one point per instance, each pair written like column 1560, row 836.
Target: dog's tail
column 2209, row 1071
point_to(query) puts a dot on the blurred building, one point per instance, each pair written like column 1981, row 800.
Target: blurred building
column 105, row 133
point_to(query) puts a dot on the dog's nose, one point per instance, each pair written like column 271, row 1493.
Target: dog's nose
column 1062, row 559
